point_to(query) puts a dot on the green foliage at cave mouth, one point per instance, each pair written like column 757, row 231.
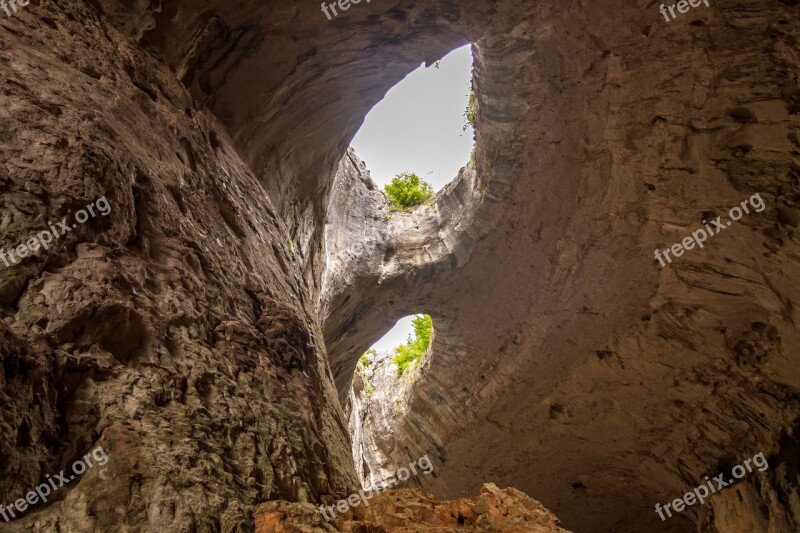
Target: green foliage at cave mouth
column 416, row 346
column 407, row 190
column 366, row 358
column 469, row 115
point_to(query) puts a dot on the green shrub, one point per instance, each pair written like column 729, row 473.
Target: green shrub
column 365, row 361
column 415, row 347
column 407, row 190
column 469, row 114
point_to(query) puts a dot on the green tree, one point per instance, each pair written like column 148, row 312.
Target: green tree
column 415, row 347
column 407, row 190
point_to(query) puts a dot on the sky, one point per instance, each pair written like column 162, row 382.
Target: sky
column 418, row 126
column 396, row 336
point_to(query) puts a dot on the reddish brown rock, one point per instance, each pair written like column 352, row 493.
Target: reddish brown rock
column 411, row 510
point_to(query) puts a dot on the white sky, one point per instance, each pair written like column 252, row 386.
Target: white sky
column 396, row 336
column 418, row 126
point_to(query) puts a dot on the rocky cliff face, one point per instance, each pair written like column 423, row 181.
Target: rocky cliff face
column 378, row 400
column 178, row 333
column 206, row 332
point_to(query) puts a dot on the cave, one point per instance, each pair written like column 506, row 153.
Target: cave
column 612, row 347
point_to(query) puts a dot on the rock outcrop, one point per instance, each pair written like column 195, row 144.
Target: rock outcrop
column 407, row 511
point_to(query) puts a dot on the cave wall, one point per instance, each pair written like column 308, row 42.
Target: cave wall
column 567, row 361
column 190, row 333
column 178, row 332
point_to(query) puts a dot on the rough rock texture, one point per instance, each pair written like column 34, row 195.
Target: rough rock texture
column 378, row 399
column 178, row 332
column 204, row 332
column 567, row 362
column 407, row 511
column 769, row 501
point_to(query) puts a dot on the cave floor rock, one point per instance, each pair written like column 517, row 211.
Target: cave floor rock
column 411, row 510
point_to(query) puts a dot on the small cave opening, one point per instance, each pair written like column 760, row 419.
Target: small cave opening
column 406, row 344
column 381, row 390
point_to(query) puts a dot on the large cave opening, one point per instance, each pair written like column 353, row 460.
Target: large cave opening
column 424, row 124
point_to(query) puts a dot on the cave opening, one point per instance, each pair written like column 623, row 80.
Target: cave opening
column 381, row 262
column 405, row 346
column 424, row 126
column 417, row 142
column 381, row 390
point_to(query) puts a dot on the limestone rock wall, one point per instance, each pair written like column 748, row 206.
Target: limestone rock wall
column 610, row 383
column 206, row 333
column 378, row 399
column 178, row 332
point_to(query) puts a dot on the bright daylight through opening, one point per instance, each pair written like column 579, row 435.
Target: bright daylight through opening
column 406, row 343
column 422, row 129
column 421, row 125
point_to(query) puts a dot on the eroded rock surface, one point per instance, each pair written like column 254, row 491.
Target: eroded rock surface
column 408, row 510
column 207, row 331
column 605, row 371
column 378, row 399
column 178, row 332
